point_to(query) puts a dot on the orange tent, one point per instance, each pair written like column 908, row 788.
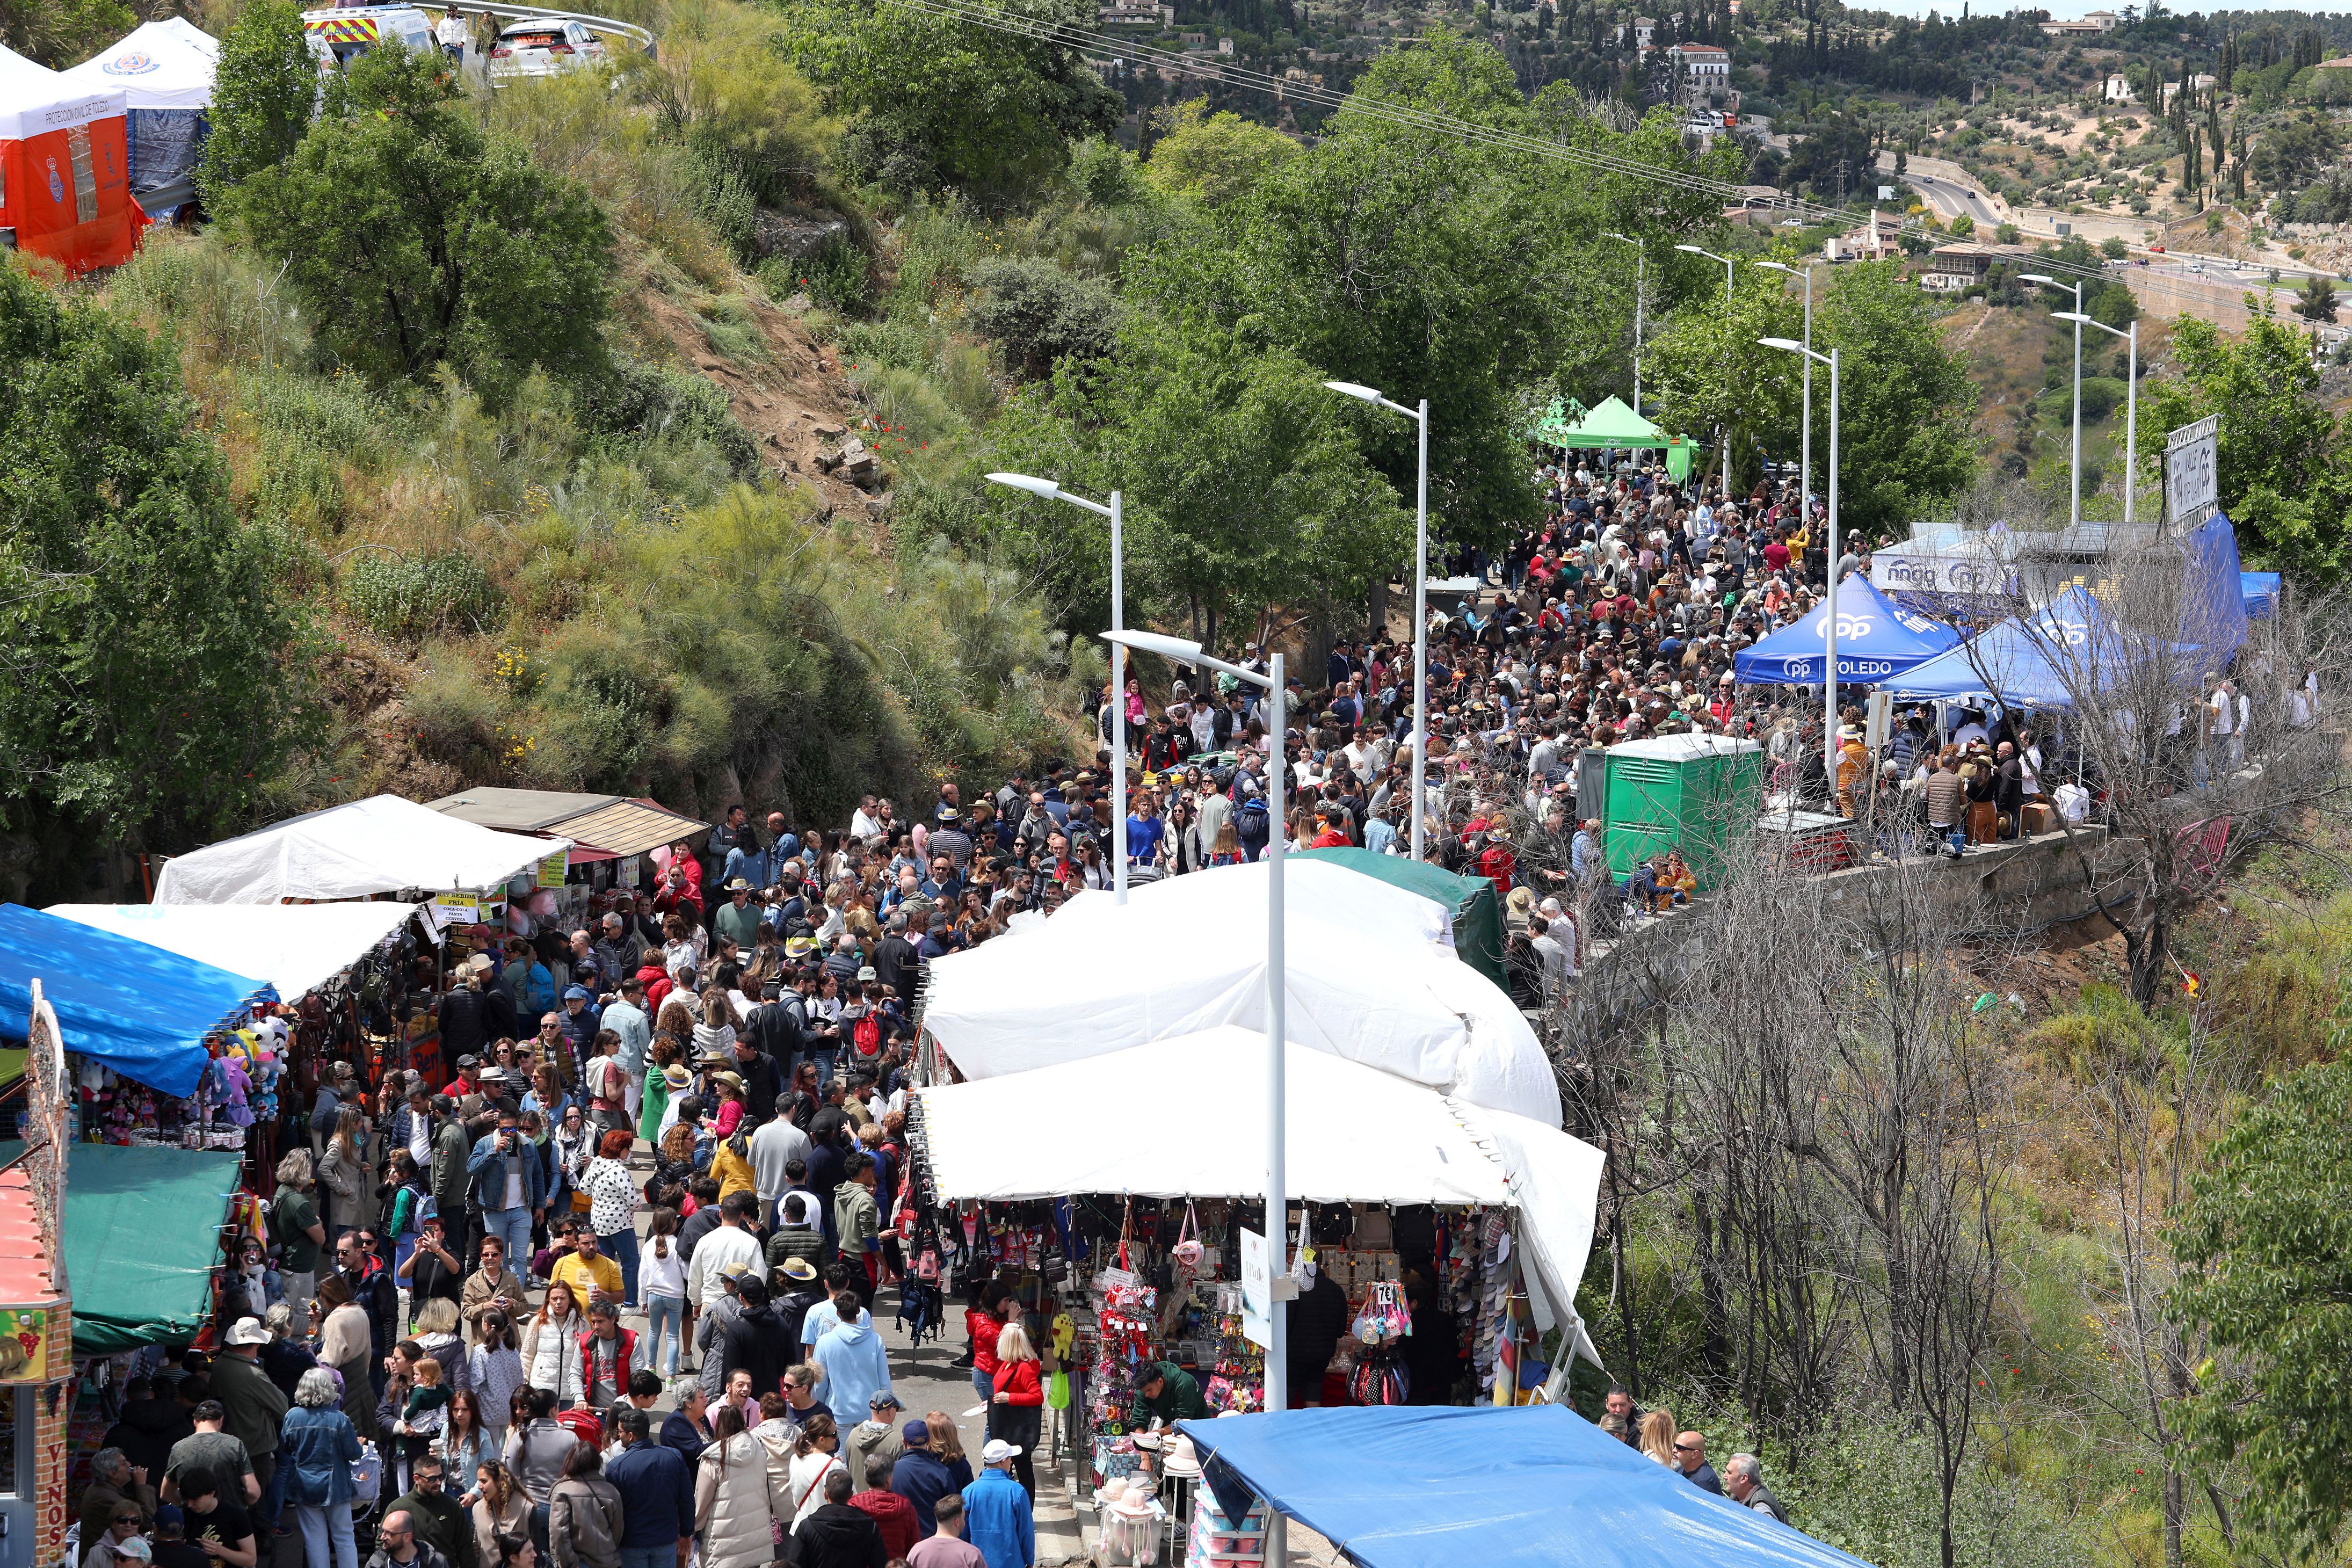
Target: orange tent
column 64, row 187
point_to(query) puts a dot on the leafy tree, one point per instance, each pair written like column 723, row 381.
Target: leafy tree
column 2282, row 476
column 1215, row 158
column 1433, row 266
column 2265, row 1247
column 1905, row 430
column 933, row 98
column 61, row 33
column 420, row 241
column 1836, row 159
column 2112, row 303
column 1710, row 373
column 148, row 633
column 1041, row 313
column 2317, row 300
column 1243, row 482
column 264, row 90
column 1963, row 226
column 2114, row 248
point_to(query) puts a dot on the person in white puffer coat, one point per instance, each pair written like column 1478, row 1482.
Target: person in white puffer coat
column 731, row 1496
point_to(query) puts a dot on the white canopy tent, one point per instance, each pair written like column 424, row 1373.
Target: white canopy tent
column 159, row 65
column 381, row 845
column 1370, row 978
column 296, row 947
column 1185, row 1117
column 35, row 100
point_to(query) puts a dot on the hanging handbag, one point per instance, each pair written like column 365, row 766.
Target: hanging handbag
column 1189, row 1252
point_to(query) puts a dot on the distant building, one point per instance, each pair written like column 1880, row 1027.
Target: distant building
column 1703, row 71
column 1868, row 242
column 2088, row 27
column 1134, row 14
column 1952, row 267
column 2119, row 89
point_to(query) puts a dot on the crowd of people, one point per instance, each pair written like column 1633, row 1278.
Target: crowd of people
column 604, row 1289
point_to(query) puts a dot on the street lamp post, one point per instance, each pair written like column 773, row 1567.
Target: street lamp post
column 1805, row 462
column 2074, row 486
column 1829, row 622
column 1049, row 490
column 1419, row 597
column 1728, row 267
column 1277, row 1187
column 2131, row 396
column 1640, row 270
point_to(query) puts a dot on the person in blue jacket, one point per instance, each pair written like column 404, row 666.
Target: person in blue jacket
column 997, row 1516
column 656, row 1495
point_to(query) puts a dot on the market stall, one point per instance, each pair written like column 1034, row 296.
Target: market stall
column 1438, row 1218
column 617, row 841
column 1537, row 1488
column 1476, row 914
column 1369, row 969
column 380, row 845
column 1612, row 425
column 1876, row 640
column 165, row 72
column 296, row 948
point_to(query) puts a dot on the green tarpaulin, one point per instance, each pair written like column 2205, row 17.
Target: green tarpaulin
column 1611, row 423
column 142, row 1233
column 1477, row 916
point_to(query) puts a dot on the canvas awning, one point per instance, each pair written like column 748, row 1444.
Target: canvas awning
column 1524, row 1487
column 2017, row 662
column 174, row 1201
column 296, row 948
column 1185, row 1117
column 138, row 1009
column 1368, row 968
column 1876, row 639
column 381, row 845
column 616, row 825
column 1477, row 913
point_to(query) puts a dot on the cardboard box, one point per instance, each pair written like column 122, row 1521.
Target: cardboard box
column 2040, row 816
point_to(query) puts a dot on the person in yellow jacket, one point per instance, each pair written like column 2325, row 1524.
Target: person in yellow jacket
column 1852, row 768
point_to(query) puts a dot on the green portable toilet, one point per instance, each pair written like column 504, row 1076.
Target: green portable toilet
column 1679, row 792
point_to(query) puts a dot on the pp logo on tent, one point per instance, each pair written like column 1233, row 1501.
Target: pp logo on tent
column 1849, row 627
column 133, row 62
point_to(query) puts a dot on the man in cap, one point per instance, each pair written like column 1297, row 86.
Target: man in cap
column 999, row 1518
column 921, row 1476
column 874, row 1440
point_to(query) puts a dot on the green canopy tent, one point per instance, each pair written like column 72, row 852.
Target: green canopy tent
column 1477, row 916
column 142, row 1233
column 1610, row 423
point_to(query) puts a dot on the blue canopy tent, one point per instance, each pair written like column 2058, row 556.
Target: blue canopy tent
column 1876, row 639
column 2259, row 590
column 138, row 1009
column 1527, row 1487
column 2013, row 663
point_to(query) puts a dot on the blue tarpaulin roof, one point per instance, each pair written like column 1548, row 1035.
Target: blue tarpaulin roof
column 1876, row 639
column 138, row 1009
column 2013, row 663
column 1531, row 1487
column 2259, row 590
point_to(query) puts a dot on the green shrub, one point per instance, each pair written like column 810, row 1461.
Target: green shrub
column 405, row 598
column 1042, row 314
column 837, row 274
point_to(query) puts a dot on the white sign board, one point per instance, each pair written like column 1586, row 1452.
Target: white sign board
column 2193, row 486
column 1258, row 1290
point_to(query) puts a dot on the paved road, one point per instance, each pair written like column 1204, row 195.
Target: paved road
column 1952, row 199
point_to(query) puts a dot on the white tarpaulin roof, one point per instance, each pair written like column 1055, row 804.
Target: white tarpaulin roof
column 1369, row 978
column 35, row 100
column 161, row 65
column 296, row 947
column 381, row 845
column 1185, row 1117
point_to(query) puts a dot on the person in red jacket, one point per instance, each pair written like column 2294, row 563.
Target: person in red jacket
column 891, row 1514
column 1017, row 1412
column 984, row 1324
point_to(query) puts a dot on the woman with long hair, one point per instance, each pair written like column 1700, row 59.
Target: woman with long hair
column 494, row 1366
column 732, row 1502
column 949, row 1446
column 662, row 1278
column 343, row 1168
column 436, row 1334
column 1016, row 1411
column 816, row 1453
column 551, row 1346
column 584, row 1512
column 501, row 1507
column 466, row 1444
column 714, row 1035
column 1658, row 1437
